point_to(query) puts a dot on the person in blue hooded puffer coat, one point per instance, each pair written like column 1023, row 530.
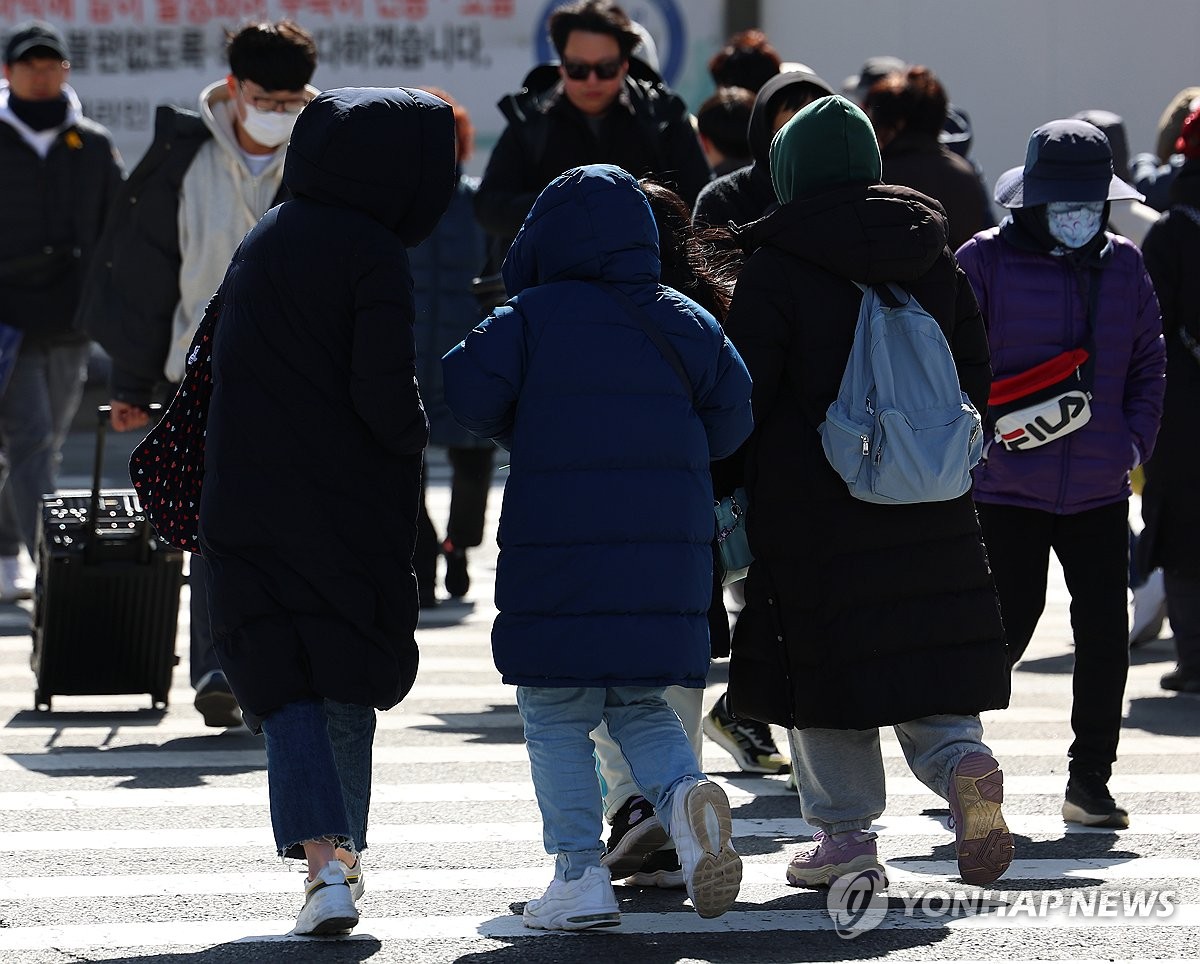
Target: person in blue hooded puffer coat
column 604, row 577
column 314, row 408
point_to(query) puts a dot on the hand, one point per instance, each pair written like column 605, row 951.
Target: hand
column 125, row 417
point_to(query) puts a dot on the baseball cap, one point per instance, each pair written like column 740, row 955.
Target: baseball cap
column 32, row 36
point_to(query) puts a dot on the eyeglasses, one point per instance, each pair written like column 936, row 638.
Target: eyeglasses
column 289, row 105
column 580, row 69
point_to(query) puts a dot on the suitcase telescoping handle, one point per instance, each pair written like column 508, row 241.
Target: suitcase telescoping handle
column 103, row 412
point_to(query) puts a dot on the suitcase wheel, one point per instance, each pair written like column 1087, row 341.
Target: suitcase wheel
column 158, row 701
column 41, row 701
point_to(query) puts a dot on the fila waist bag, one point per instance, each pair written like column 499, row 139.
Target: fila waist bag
column 1043, row 404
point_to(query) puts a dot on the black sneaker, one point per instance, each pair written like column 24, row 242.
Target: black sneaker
column 749, row 742
column 1180, row 681
column 457, row 580
column 1088, row 802
column 659, row 869
column 216, row 702
column 636, row 833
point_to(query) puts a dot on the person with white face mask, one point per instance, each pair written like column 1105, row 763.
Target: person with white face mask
column 1077, row 394
column 205, row 181
column 1074, row 223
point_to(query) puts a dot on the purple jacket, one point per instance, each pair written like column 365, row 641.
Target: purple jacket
column 1035, row 306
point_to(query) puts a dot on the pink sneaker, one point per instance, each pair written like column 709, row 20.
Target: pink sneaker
column 834, row 856
column 981, row 838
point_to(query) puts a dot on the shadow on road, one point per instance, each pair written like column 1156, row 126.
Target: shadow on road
column 339, row 950
column 1166, row 715
column 125, row 760
column 1156, row 651
column 500, row 723
column 720, row 948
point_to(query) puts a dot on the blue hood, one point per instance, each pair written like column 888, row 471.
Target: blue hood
column 385, row 151
column 591, row 223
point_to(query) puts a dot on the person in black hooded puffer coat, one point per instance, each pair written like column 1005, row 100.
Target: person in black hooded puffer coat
column 314, row 408
column 858, row 615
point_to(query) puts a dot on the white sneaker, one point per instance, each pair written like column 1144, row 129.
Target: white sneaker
column 14, row 584
column 355, row 878
column 1149, row 609
column 701, row 826
column 328, row 907
column 575, row 905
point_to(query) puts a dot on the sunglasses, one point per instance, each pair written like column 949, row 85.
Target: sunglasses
column 580, row 70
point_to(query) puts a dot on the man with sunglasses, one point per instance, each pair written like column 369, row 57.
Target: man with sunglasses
column 205, row 181
column 596, row 106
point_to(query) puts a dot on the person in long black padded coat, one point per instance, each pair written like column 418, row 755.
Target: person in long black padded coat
column 313, row 464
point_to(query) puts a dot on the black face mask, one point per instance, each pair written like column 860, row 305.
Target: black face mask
column 39, row 115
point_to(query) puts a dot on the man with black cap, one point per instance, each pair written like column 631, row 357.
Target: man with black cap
column 58, row 174
column 1078, row 362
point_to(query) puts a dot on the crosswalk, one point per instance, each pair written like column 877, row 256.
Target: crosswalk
column 129, row 834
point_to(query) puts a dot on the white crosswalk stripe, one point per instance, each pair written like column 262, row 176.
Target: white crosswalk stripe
column 141, row 826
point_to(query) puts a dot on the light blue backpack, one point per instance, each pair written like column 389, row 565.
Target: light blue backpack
column 901, row 430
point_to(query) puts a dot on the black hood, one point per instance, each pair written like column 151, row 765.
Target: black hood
column 866, row 233
column 1185, row 188
column 386, row 151
column 759, row 131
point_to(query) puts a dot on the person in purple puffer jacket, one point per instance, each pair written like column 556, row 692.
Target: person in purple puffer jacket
column 1050, row 281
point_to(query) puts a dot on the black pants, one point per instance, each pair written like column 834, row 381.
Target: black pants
column 1093, row 548
column 1183, row 610
column 471, row 479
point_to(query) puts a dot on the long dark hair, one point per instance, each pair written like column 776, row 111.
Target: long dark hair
column 699, row 263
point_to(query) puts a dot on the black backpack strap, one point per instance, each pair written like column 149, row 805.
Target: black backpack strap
column 654, row 333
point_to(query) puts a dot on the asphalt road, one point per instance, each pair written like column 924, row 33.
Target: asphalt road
column 131, row 835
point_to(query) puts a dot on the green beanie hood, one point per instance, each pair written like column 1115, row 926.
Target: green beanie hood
column 828, row 144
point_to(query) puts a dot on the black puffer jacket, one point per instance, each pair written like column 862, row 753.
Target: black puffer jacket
column 133, row 286
column 52, row 211
column 647, row 133
column 918, row 160
column 1171, row 500
column 315, row 409
column 857, row 615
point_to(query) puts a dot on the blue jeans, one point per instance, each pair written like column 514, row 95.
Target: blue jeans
column 319, row 773
column 558, row 721
column 36, row 408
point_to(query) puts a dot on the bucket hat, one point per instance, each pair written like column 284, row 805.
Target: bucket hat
column 1066, row 160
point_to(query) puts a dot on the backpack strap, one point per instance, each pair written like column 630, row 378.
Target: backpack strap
column 891, row 295
column 654, row 333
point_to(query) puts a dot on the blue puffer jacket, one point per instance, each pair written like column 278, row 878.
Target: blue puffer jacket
column 605, row 569
column 1035, row 306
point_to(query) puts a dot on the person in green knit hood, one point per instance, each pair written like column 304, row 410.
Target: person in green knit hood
column 828, row 144
column 924, row 650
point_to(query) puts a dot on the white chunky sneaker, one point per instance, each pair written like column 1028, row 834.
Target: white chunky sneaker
column 701, row 826
column 575, row 905
column 328, row 906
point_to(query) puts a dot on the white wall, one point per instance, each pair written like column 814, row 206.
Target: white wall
column 1012, row 64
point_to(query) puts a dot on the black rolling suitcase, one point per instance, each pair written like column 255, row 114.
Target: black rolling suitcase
column 106, row 603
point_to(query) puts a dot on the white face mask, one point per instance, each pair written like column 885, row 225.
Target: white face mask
column 1074, row 223
column 269, row 127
